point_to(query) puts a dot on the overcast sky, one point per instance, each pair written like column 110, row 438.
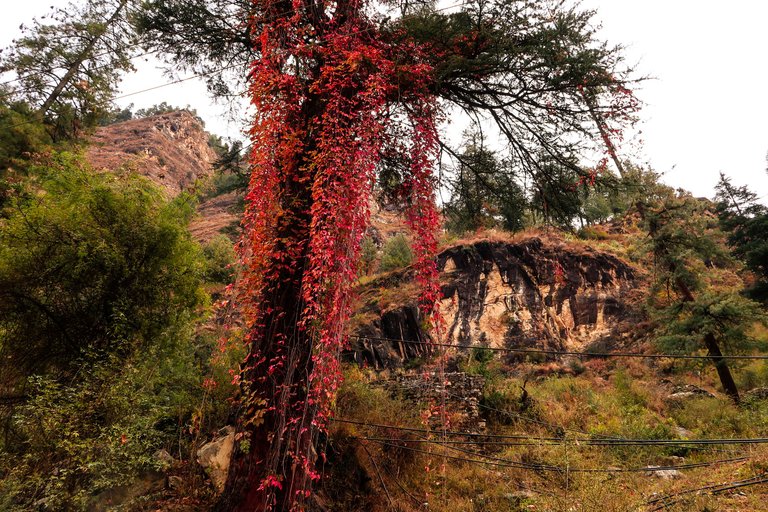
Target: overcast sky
column 706, row 109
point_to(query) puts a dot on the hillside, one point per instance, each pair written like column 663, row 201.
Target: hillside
column 546, row 387
column 171, row 149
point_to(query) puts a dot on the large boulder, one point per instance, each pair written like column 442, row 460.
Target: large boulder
column 214, row 457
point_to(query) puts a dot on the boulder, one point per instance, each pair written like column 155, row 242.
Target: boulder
column 664, row 474
column 756, row 395
column 682, row 394
column 214, row 457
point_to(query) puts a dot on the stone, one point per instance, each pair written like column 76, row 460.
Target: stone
column 682, row 394
column 149, row 482
column 502, row 295
column 164, row 459
column 664, row 474
column 214, row 457
column 756, row 395
column 175, row 482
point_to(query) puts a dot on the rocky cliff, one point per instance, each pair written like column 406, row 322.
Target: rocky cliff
column 170, row 149
column 538, row 292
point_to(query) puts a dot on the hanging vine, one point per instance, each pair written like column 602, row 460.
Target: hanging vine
column 323, row 92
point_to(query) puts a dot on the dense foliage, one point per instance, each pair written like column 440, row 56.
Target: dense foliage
column 91, row 264
column 745, row 220
column 100, row 285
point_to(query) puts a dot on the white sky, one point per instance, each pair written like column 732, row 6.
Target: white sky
column 705, row 111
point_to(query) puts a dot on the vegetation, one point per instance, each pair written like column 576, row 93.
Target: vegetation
column 114, row 368
column 68, row 67
column 745, row 221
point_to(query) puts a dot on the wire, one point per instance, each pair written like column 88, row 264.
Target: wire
column 566, row 352
column 13, row 91
column 560, row 440
column 495, row 461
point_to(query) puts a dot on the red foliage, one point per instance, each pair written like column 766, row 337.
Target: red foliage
column 322, row 92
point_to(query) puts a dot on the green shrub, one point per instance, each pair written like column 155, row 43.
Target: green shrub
column 75, row 441
column 100, row 284
column 92, row 265
column 219, row 257
column 396, row 254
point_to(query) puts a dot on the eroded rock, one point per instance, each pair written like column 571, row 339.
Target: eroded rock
column 535, row 293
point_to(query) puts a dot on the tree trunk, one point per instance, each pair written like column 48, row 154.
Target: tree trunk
column 84, row 54
column 726, row 379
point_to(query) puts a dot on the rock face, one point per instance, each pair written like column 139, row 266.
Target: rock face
column 170, row 149
column 533, row 293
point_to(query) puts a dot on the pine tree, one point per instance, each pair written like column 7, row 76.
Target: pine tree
column 692, row 312
column 68, row 66
column 338, row 89
column 745, row 221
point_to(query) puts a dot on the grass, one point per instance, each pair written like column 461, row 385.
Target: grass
column 624, row 402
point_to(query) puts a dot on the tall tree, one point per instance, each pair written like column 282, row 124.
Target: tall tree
column 745, row 221
column 687, row 247
column 68, row 63
column 337, row 89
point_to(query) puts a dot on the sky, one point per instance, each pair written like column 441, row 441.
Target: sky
column 705, row 103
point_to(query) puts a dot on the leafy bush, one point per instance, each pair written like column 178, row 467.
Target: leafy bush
column 396, row 253
column 92, row 264
column 219, row 257
column 79, row 440
column 100, row 283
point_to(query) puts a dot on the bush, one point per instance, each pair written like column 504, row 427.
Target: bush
column 92, row 265
column 100, row 283
column 219, row 257
column 79, row 440
column 396, row 254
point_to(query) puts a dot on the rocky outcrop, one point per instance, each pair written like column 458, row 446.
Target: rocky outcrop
column 538, row 292
column 170, row 149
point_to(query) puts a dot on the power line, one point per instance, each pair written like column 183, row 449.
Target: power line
column 566, row 352
column 497, row 461
column 617, row 441
column 663, row 502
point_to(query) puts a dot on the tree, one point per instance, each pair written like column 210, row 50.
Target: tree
column 745, row 221
column 336, row 91
column 685, row 246
column 68, row 68
column 92, row 266
column 484, row 191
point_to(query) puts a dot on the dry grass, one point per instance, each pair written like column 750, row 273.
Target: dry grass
column 628, row 403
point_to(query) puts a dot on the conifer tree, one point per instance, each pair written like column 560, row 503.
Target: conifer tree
column 693, row 313
column 67, row 64
column 745, row 221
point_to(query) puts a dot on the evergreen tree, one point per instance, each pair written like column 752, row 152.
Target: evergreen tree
column 484, row 191
column 692, row 311
column 745, row 221
column 338, row 88
column 68, row 66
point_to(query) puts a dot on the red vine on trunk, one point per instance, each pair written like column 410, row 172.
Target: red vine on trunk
column 323, row 90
